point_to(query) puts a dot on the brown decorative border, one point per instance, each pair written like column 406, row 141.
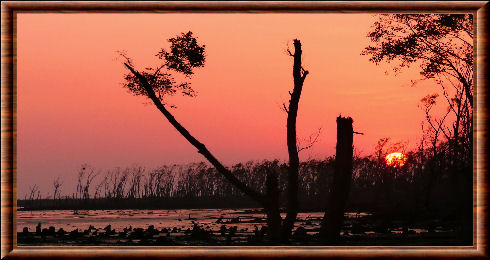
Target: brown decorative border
column 9, row 9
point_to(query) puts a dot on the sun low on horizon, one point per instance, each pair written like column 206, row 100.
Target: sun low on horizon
column 396, row 159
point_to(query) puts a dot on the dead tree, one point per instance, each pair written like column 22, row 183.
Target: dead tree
column 33, row 190
column 89, row 178
column 85, row 177
column 334, row 214
column 81, row 174
column 134, row 182
column 57, row 188
column 299, row 76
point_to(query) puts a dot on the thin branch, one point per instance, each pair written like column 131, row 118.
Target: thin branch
column 312, row 140
column 305, row 73
column 285, row 108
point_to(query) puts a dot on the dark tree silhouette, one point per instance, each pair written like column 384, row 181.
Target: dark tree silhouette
column 442, row 45
column 185, row 55
column 334, row 215
column 299, row 76
column 282, row 231
column 86, row 176
column 57, row 188
column 33, row 190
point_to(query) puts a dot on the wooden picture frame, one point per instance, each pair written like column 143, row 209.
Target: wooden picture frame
column 9, row 249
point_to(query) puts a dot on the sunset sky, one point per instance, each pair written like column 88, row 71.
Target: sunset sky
column 72, row 108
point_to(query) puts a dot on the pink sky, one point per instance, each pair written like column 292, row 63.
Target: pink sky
column 72, row 109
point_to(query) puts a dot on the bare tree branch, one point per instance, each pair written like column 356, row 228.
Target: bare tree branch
column 312, row 139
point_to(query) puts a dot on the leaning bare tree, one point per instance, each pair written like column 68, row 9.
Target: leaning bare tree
column 157, row 83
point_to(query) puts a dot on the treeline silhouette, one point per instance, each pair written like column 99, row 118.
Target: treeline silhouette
column 422, row 185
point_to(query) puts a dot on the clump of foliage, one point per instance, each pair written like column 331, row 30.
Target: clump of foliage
column 184, row 55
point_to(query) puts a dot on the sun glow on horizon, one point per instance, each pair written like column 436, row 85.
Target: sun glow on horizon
column 396, row 159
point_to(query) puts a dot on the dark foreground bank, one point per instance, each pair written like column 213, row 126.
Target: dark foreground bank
column 358, row 231
column 199, row 236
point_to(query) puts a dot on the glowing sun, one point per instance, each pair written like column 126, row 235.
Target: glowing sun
column 396, row 159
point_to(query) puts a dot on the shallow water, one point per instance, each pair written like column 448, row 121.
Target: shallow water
column 120, row 219
column 243, row 219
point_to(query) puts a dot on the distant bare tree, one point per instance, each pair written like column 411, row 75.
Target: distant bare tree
column 57, row 188
column 135, row 181
column 117, row 180
column 86, row 176
column 98, row 188
column 81, row 174
column 33, row 190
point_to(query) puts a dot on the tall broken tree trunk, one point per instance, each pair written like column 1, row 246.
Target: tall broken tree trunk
column 334, row 214
column 299, row 75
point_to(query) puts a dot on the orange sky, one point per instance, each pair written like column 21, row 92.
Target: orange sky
column 72, row 108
